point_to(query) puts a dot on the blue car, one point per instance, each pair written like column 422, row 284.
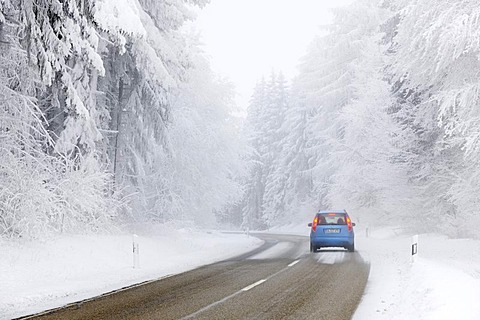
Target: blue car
column 332, row 229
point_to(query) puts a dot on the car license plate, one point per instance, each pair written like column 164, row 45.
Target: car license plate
column 332, row 230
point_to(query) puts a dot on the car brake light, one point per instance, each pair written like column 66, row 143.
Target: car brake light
column 314, row 225
column 349, row 223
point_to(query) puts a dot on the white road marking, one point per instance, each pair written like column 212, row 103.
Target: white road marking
column 195, row 314
column 272, row 252
column 253, row 285
column 294, row 263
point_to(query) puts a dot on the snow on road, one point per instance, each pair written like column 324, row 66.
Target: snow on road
column 444, row 282
column 274, row 251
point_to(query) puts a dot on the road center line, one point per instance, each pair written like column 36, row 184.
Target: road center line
column 253, row 285
column 294, row 263
column 196, row 313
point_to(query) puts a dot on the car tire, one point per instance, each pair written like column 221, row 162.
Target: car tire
column 351, row 248
column 312, row 248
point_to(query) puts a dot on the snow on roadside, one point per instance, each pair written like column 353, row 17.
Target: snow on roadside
column 44, row 275
column 443, row 283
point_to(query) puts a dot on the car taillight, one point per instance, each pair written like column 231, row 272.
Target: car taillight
column 314, row 224
column 349, row 223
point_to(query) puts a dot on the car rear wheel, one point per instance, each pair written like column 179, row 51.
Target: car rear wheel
column 312, row 247
column 351, row 248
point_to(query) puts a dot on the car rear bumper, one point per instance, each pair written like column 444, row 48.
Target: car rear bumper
column 332, row 241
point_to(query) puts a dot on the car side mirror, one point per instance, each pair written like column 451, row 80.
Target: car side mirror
column 353, row 224
column 310, row 224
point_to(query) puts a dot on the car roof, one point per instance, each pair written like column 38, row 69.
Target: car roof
column 332, row 211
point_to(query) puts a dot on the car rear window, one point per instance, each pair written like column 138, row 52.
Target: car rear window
column 332, row 218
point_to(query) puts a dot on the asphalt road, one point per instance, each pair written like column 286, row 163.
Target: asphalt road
column 279, row 280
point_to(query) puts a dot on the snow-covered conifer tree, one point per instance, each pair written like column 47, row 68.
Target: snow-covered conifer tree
column 436, row 59
column 255, row 183
column 276, row 176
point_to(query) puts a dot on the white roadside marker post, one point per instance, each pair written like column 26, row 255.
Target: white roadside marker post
column 136, row 252
column 414, row 248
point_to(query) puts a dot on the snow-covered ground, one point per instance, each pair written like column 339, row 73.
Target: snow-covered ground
column 443, row 283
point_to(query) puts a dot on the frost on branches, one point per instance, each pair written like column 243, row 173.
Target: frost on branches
column 100, row 101
column 382, row 120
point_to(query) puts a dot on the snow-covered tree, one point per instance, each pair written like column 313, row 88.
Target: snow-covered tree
column 276, row 175
column 40, row 186
column 264, row 202
column 322, row 89
column 205, row 150
column 255, row 183
column 370, row 178
column 436, row 58
column 89, row 89
column 144, row 83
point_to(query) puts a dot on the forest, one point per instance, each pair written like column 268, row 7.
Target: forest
column 110, row 114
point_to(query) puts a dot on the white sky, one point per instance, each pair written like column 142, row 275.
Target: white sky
column 246, row 39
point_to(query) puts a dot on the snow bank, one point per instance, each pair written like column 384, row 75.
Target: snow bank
column 43, row 275
column 443, row 283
